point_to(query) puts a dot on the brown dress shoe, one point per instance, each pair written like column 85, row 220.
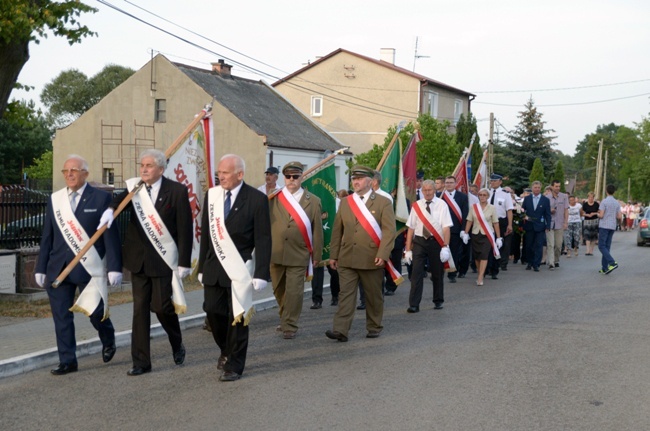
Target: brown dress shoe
column 335, row 335
column 229, row 376
column 289, row 335
column 372, row 334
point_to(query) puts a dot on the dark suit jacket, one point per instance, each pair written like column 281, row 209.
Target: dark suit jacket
column 249, row 226
column 463, row 202
column 351, row 245
column 173, row 206
column 55, row 254
column 538, row 219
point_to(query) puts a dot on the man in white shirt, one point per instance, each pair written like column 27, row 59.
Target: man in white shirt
column 270, row 181
column 501, row 200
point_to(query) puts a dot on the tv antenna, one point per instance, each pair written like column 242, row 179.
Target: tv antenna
column 415, row 55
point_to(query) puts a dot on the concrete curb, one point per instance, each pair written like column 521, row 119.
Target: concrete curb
column 50, row 357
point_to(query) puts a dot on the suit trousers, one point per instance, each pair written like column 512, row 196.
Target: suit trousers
column 554, row 239
column 152, row 294
column 317, row 285
column 534, row 244
column 289, row 291
column 61, row 300
column 371, row 281
column 424, row 249
column 456, row 248
column 231, row 339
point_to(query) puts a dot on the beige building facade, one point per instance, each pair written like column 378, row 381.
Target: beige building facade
column 357, row 98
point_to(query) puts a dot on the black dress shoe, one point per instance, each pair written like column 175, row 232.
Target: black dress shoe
column 528, row 268
column 413, row 309
column 229, row 376
column 221, row 362
column 361, row 307
column 108, row 352
column 335, row 302
column 389, row 293
column 138, row 371
column 536, row 269
column 335, row 335
column 461, row 275
column 316, row 306
column 372, row 334
column 515, row 261
column 179, row 355
column 63, row 369
column 557, row 265
column 438, row 306
column 504, row 269
column 452, row 280
column 494, row 277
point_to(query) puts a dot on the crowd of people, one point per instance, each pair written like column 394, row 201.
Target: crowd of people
column 252, row 237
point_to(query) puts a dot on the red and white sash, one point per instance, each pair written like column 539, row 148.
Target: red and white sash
column 373, row 229
column 299, row 215
column 76, row 238
column 161, row 239
column 489, row 232
column 449, row 266
column 453, row 206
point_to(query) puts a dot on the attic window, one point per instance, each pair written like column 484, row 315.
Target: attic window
column 160, row 116
column 458, row 110
column 316, row 106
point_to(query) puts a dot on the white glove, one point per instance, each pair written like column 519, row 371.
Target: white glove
column 444, row 254
column 107, row 219
column 465, row 237
column 408, row 257
column 499, row 242
column 259, row 284
column 184, row 272
column 200, row 277
column 40, row 279
column 114, row 278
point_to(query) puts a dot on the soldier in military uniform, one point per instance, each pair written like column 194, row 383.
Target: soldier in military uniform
column 297, row 244
column 362, row 240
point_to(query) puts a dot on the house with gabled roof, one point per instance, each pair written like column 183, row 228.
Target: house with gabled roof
column 357, row 98
column 156, row 104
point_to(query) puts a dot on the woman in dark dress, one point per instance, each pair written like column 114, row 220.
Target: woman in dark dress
column 590, row 226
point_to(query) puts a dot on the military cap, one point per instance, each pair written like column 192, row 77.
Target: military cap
column 271, row 170
column 362, row 171
column 292, row 166
column 419, row 174
column 495, row 177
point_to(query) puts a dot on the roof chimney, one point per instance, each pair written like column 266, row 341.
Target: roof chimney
column 387, row 55
column 221, row 68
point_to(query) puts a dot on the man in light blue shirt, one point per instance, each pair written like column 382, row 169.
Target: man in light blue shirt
column 608, row 213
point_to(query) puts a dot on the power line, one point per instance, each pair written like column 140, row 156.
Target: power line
column 564, row 88
column 566, row 104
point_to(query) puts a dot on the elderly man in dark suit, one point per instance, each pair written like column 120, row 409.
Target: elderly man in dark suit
column 240, row 225
column 86, row 206
column 536, row 223
column 151, row 275
column 362, row 239
column 297, row 233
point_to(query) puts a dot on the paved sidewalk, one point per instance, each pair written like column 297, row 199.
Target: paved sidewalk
column 30, row 345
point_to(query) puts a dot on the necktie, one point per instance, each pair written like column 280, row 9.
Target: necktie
column 226, row 205
column 73, row 201
column 425, row 232
column 148, row 190
column 418, row 194
column 535, row 201
column 494, row 192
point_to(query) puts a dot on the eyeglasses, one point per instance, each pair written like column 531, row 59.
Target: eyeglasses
column 294, row 176
column 74, row 171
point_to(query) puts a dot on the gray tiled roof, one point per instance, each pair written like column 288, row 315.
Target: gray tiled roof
column 263, row 110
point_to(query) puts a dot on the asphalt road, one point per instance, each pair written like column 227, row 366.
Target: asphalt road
column 561, row 350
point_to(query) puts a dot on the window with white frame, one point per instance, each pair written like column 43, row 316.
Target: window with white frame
column 316, row 106
column 160, row 115
column 458, row 110
column 430, row 104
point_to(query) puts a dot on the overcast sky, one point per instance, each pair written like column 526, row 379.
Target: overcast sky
column 584, row 62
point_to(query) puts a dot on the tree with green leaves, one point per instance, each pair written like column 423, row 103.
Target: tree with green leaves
column 529, row 141
column 558, row 174
column 466, row 129
column 41, row 167
column 25, row 21
column 72, row 93
column 537, row 173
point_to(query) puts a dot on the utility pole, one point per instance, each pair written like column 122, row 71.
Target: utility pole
column 599, row 166
column 490, row 167
column 629, row 183
column 605, row 176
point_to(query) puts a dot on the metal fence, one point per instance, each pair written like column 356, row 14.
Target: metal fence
column 22, row 213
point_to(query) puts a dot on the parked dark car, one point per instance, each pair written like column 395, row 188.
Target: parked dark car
column 643, row 231
column 23, row 233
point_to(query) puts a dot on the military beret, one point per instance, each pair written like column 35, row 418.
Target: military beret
column 362, row 171
column 292, row 166
column 495, row 177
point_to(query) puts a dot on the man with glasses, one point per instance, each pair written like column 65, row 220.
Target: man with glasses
column 297, row 240
column 72, row 216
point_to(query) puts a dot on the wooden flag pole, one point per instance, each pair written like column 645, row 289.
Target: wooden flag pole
column 91, row 242
column 479, row 167
column 387, row 152
column 462, row 157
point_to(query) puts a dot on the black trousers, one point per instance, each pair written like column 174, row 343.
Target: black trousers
column 456, row 248
column 424, row 249
column 494, row 265
column 318, row 281
column 231, row 339
column 152, row 294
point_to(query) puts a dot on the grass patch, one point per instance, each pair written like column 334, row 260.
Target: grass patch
column 41, row 308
